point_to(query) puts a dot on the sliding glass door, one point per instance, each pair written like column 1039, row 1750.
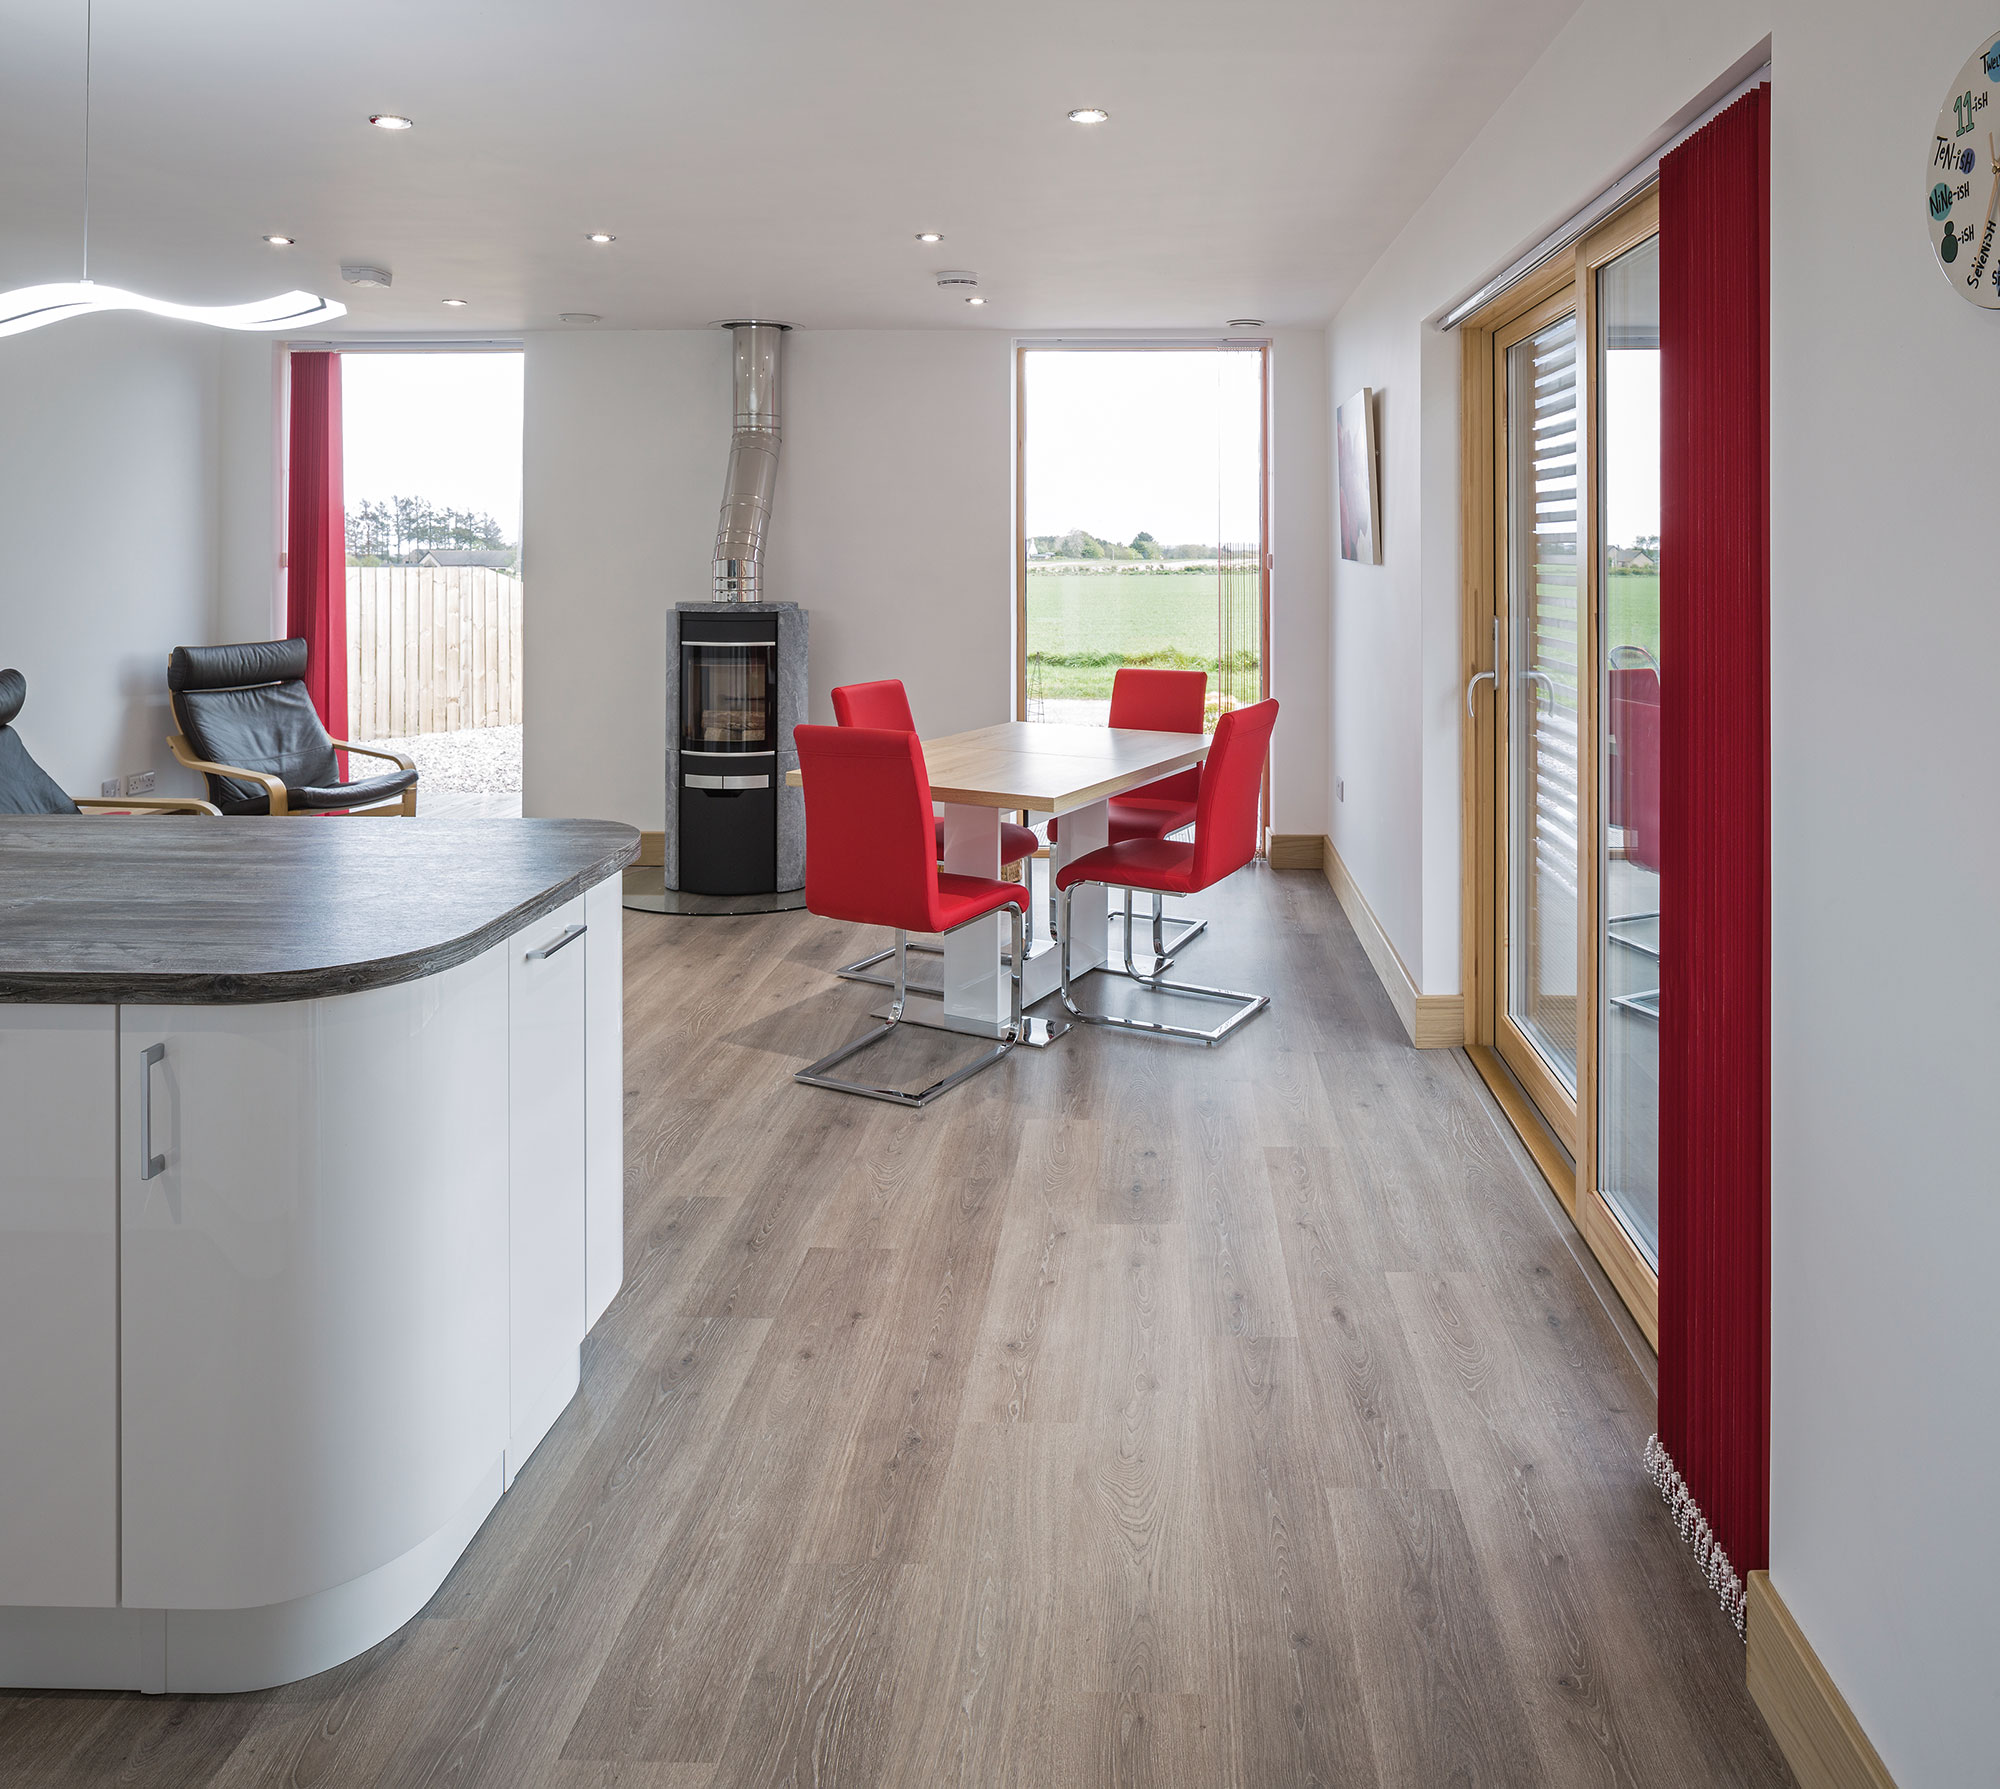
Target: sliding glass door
column 1563, row 728
column 1628, row 767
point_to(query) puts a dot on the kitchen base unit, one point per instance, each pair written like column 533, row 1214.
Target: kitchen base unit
column 296, row 1256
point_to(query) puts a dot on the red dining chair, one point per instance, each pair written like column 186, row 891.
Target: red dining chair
column 886, row 704
column 869, row 861
column 1153, row 701
column 1225, row 839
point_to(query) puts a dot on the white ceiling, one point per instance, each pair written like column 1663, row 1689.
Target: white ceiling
column 772, row 157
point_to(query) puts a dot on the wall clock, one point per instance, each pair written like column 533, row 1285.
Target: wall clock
column 1962, row 179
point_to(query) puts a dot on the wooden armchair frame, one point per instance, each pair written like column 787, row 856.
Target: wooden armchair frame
column 146, row 804
column 274, row 787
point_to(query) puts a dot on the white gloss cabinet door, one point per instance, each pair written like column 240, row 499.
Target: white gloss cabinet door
column 547, row 1162
column 314, row 1286
column 604, row 1053
column 59, row 1303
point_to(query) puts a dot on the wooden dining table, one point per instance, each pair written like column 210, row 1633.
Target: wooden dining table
column 1050, row 769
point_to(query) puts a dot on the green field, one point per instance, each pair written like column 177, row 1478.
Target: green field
column 1082, row 625
column 1632, row 610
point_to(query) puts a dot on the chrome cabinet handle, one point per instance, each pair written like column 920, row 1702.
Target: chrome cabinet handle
column 570, row 935
column 149, row 1163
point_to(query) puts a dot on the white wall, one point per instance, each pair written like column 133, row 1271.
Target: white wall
column 892, row 524
column 1885, row 635
column 112, row 523
column 623, row 440
column 1885, row 632
column 1617, row 75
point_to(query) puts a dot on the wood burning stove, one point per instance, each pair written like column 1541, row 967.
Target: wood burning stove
column 736, row 689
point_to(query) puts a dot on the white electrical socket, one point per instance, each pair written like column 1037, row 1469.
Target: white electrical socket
column 116, row 786
column 141, row 782
column 1340, row 788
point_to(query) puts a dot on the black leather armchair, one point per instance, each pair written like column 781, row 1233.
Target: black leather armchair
column 26, row 788
column 248, row 725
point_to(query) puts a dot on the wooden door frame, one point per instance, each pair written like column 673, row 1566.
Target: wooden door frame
column 1568, row 1153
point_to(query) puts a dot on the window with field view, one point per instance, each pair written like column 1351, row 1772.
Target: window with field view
column 432, row 477
column 1143, row 482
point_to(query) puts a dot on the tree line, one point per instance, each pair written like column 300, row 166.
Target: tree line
column 409, row 527
column 1080, row 543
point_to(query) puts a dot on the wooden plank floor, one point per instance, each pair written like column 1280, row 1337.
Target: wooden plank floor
column 1136, row 1415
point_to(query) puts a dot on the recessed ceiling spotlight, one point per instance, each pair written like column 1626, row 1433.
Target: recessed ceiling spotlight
column 455, row 301
column 390, row 121
column 930, row 235
column 600, row 237
column 280, row 241
column 975, row 300
column 1090, row 115
column 581, row 317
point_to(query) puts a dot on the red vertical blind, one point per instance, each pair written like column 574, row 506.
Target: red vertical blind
column 316, row 536
column 1712, row 1454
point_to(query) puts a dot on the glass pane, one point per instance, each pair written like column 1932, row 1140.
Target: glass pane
column 1542, row 659
column 1144, row 518
column 1628, row 294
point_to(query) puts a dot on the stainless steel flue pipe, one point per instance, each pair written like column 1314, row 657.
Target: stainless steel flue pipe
column 753, row 461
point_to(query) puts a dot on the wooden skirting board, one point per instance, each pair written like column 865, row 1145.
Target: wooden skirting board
column 1434, row 1021
column 652, row 849
column 1296, row 851
column 1807, row 1715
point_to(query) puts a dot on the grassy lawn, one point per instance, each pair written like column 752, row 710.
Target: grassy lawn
column 1083, row 625
column 1632, row 610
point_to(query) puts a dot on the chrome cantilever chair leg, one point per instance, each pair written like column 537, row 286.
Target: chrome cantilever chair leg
column 860, row 969
column 815, row 1074
column 1248, row 1005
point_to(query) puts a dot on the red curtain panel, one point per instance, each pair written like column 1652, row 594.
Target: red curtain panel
column 1712, row 1453
column 316, row 536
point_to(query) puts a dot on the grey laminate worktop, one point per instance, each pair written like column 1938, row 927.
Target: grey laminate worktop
column 192, row 911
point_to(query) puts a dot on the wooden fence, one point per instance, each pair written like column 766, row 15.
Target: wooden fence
column 431, row 650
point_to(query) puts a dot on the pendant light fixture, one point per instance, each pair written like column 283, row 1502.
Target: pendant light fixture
column 29, row 307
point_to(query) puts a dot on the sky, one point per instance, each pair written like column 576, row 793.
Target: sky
column 446, row 427
column 1121, row 440
column 1631, row 445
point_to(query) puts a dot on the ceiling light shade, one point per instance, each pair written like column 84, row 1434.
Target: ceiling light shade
column 281, row 241
column 930, row 235
column 1090, row 115
column 600, row 237
column 390, row 121
column 29, row 307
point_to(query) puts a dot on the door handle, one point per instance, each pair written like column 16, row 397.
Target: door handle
column 570, row 935
column 149, row 1163
column 1479, row 677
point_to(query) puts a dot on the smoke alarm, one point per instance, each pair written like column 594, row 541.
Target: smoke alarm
column 952, row 278
column 357, row 275
column 581, row 317
column 1246, row 323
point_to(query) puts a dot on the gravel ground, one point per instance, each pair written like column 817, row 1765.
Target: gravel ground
column 475, row 761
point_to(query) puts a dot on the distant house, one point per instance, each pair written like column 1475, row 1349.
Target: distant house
column 493, row 558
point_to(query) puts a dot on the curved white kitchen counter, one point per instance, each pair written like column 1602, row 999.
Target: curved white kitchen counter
column 291, row 1288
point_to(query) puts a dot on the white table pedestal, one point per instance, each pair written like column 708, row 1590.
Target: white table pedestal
column 978, row 997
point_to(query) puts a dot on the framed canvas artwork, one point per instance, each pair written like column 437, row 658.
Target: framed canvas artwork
column 1360, row 487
